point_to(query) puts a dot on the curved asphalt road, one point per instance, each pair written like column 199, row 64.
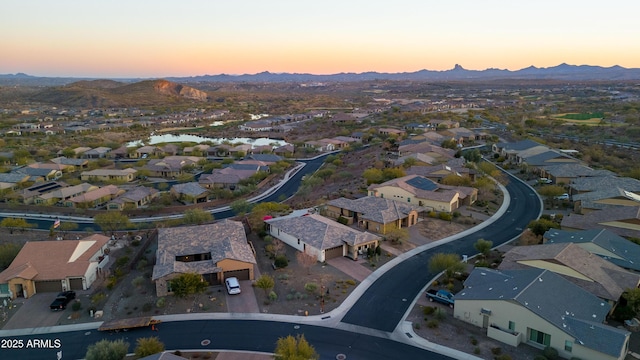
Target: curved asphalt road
column 388, row 294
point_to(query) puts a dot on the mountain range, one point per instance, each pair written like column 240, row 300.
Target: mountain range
column 458, row 73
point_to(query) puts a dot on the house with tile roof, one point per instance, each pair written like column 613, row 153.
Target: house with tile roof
column 170, row 166
column 602, row 242
column 567, row 173
column 135, row 198
column 94, row 198
column 121, row 175
column 97, row 153
column 437, row 152
column 540, row 308
column 373, row 213
column 621, row 220
column 39, row 174
column 323, row 237
column 604, row 192
column 12, row 180
column 190, row 193
column 512, row 151
column 546, row 158
column 418, row 190
column 589, row 271
column 59, row 194
column 215, row 251
column 54, row 266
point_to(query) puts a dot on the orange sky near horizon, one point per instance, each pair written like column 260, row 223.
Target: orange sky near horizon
column 129, row 39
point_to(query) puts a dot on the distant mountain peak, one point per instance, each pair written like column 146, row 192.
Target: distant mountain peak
column 458, row 67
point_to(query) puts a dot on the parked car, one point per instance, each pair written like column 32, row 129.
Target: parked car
column 441, row 296
column 545, row 181
column 564, row 196
column 233, row 286
column 61, row 300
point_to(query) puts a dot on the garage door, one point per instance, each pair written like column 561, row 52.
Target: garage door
column 333, row 252
column 48, row 286
column 240, row 274
column 76, row 284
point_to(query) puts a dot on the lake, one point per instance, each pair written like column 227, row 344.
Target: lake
column 170, row 138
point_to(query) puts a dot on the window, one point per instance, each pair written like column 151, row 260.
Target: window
column 568, row 345
column 539, row 337
column 512, row 326
column 408, row 199
column 298, row 241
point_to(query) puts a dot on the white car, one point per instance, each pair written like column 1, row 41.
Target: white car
column 564, row 196
column 233, row 286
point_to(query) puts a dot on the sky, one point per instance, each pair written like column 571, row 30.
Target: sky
column 161, row 38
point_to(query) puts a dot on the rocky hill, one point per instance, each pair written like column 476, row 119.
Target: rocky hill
column 110, row 93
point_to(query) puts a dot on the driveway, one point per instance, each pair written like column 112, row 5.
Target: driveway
column 34, row 312
column 245, row 302
column 355, row 269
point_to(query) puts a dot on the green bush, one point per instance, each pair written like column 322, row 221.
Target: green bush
column 476, row 350
column 440, row 314
column 445, row 216
column 622, row 313
column 273, row 296
column 432, row 324
column 281, row 261
column 350, row 282
column 76, row 306
column 496, row 351
column 160, row 303
column 98, row 298
column 474, row 341
column 343, row 220
column 428, row 310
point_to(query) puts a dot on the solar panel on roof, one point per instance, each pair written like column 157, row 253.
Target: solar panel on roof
column 422, row 184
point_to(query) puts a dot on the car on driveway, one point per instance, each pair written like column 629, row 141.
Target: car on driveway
column 62, row 299
column 233, row 286
column 564, row 196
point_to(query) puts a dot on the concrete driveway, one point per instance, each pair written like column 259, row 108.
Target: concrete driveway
column 245, row 302
column 34, row 312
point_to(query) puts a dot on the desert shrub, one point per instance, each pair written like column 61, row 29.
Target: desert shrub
column 299, row 295
column 311, row 287
column 432, row 214
column 283, row 277
column 290, row 296
column 496, row 351
column 439, row 314
column 474, row 341
column 445, row 216
column 476, row 350
column 550, row 353
column 432, row 324
column 281, row 261
column 161, row 302
column 138, row 281
column 77, row 305
column 343, row 220
column 416, row 325
column 122, row 261
column 428, row 310
column 135, row 242
column 273, row 296
column 142, row 264
column 147, row 307
column 350, row 282
column 456, row 214
column 503, row 357
column 98, row 298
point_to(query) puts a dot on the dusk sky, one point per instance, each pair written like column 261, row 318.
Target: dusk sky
column 132, row 38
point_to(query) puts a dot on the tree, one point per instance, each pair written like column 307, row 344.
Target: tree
column 148, row 346
column 15, row 224
column 633, row 298
column 541, row 226
column 8, row 252
column 107, row 350
column 67, row 226
column 306, row 260
column 290, row 348
column 550, row 191
column 112, row 221
column 456, row 180
column 265, row 282
column 449, row 263
column 373, row 176
column 256, row 217
column 277, row 246
column 188, row 284
column 483, row 246
column 197, row 216
column 241, row 206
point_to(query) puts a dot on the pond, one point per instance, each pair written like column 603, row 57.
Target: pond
column 170, row 138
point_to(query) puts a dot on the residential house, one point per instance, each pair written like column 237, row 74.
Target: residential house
column 444, row 124
column 240, row 150
column 37, row 175
column 124, row 175
column 510, row 151
column 12, row 180
column 589, row 271
column 61, row 194
column 567, row 173
column 71, row 162
column 54, row 266
column 171, row 166
column 97, row 153
column 190, row 193
column 418, row 190
column 265, row 158
column 546, row 158
column 439, row 153
column 542, row 309
column 604, row 192
column 438, row 172
column 215, row 251
column 622, row 220
column 320, row 145
column 94, row 198
column 196, row 150
column 28, row 195
column 284, row 150
column 391, row 131
column 461, row 135
column 373, row 213
column 52, row 166
column 170, row 149
column 146, row 151
column 135, row 198
column 6, row 157
column 120, row 153
column 602, row 242
column 322, row 237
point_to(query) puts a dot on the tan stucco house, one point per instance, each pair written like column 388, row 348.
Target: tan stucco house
column 215, row 251
column 540, row 308
column 54, row 266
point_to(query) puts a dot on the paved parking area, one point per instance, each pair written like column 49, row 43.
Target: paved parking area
column 34, row 312
column 354, row 269
column 245, row 302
